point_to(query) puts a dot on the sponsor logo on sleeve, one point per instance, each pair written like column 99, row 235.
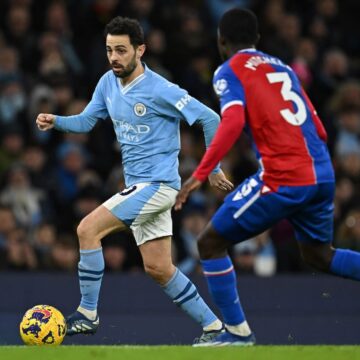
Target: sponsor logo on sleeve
column 183, row 102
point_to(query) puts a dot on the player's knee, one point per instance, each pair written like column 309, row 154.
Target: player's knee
column 204, row 247
column 161, row 274
column 210, row 244
column 84, row 231
column 317, row 257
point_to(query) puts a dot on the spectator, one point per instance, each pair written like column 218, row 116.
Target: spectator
column 42, row 100
column 192, row 223
column 348, row 138
column 7, row 223
column 25, row 201
column 256, row 256
column 115, row 257
column 12, row 104
column 12, row 146
column 43, row 241
column 19, row 34
column 333, row 72
column 349, row 231
column 64, row 253
column 19, row 253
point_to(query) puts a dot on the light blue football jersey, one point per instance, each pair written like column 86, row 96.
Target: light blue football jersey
column 146, row 116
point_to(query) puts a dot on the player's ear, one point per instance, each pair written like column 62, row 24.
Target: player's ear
column 140, row 51
column 222, row 41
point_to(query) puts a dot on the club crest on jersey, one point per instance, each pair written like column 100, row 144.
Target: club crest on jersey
column 220, row 86
column 139, row 109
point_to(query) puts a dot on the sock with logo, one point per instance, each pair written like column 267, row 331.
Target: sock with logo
column 91, row 270
column 184, row 294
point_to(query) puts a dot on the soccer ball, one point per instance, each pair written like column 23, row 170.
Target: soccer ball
column 43, row 325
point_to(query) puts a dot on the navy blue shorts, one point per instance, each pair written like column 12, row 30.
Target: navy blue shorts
column 252, row 208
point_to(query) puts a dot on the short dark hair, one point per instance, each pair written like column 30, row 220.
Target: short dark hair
column 126, row 26
column 239, row 26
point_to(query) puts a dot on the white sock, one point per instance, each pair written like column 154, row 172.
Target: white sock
column 242, row 329
column 90, row 314
column 215, row 325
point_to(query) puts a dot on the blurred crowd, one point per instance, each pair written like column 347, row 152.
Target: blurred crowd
column 52, row 54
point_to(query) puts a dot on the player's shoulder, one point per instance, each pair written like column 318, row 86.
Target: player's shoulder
column 160, row 85
column 222, row 77
column 223, row 70
column 107, row 78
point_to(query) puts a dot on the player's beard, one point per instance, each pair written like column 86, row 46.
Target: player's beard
column 127, row 70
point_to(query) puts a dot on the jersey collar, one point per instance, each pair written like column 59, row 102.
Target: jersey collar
column 247, row 50
column 138, row 79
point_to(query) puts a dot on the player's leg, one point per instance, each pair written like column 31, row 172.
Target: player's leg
column 158, row 265
column 224, row 230
column 152, row 230
column 222, row 283
column 91, row 230
column 246, row 212
column 156, row 254
column 314, row 231
column 115, row 214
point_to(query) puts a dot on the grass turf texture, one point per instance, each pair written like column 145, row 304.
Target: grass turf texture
column 179, row 353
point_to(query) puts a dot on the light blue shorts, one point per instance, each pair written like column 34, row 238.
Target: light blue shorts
column 146, row 209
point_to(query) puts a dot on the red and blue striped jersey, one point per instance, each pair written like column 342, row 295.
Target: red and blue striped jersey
column 287, row 133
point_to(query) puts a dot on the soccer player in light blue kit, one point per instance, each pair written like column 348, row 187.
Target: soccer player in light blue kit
column 146, row 110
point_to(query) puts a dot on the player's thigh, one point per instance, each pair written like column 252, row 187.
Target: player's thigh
column 99, row 223
column 154, row 221
column 313, row 223
column 141, row 202
column 156, row 226
column 251, row 209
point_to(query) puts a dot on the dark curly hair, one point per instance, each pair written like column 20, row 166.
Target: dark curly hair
column 126, row 26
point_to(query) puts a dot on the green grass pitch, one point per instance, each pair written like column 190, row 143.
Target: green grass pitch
column 180, row 353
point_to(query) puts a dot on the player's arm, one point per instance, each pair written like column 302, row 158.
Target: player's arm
column 81, row 123
column 192, row 111
column 231, row 126
column 232, row 101
column 209, row 121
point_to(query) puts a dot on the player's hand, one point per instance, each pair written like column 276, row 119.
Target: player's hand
column 220, row 181
column 189, row 186
column 45, row 121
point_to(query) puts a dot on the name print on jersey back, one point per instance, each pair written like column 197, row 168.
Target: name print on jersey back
column 276, row 108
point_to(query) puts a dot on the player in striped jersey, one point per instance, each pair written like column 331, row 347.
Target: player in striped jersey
column 263, row 96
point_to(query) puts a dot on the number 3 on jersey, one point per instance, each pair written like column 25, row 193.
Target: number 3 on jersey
column 299, row 117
